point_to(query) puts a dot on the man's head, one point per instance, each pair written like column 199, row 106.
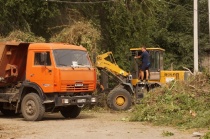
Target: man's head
column 143, row 48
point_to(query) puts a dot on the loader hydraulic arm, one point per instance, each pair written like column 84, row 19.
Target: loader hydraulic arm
column 111, row 65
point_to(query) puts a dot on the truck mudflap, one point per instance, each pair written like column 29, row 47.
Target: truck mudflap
column 75, row 100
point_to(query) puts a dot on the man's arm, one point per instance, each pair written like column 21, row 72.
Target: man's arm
column 137, row 56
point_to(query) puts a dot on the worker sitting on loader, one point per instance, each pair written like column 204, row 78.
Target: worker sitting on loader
column 145, row 64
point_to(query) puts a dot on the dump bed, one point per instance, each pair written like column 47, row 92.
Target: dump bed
column 13, row 57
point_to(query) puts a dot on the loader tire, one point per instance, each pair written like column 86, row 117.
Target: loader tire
column 32, row 108
column 70, row 111
column 119, row 99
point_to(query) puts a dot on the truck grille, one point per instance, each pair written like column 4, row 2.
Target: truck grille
column 73, row 88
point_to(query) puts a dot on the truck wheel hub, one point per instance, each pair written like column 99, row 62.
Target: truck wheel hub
column 120, row 100
column 30, row 107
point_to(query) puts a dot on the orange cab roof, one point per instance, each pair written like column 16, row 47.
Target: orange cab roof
column 51, row 46
column 42, row 46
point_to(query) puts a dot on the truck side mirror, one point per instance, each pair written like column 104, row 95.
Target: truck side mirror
column 44, row 58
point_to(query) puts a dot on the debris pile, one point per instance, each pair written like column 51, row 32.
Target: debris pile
column 181, row 103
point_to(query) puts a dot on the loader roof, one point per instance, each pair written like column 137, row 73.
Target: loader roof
column 159, row 49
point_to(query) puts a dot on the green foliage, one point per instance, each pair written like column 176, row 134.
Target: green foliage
column 182, row 104
column 206, row 136
column 174, row 33
column 80, row 33
column 167, row 134
column 19, row 36
column 26, row 15
column 166, row 24
column 126, row 25
column 123, row 24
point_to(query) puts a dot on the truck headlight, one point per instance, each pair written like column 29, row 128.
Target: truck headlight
column 65, row 101
column 93, row 99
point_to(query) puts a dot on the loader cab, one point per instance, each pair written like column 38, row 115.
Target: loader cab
column 156, row 63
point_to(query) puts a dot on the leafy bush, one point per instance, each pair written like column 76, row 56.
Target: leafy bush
column 80, row 33
column 206, row 136
column 181, row 103
column 20, row 36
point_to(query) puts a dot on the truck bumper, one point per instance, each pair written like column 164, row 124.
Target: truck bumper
column 75, row 100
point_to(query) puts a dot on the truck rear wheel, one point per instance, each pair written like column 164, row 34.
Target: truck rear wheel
column 32, row 107
column 119, row 99
column 70, row 111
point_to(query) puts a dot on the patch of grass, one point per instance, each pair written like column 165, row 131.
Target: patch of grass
column 182, row 104
column 206, row 136
column 167, row 133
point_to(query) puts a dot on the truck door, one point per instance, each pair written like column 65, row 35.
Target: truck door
column 41, row 71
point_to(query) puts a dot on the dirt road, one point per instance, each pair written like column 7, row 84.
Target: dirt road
column 89, row 125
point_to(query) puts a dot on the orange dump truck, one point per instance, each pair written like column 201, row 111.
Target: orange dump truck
column 45, row 77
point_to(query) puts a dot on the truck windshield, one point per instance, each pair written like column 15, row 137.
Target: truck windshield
column 72, row 58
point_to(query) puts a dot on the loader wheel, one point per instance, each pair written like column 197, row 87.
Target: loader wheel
column 32, row 107
column 8, row 112
column 70, row 111
column 119, row 99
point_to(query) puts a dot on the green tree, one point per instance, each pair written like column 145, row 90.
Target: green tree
column 26, row 15
column 174, row 32
column 123, row 24
column 127, row 24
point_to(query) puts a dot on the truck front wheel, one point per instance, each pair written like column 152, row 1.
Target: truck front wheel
column 32, row 108
column 70, row 111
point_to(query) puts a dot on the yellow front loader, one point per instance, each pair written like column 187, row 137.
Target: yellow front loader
column 130, row 89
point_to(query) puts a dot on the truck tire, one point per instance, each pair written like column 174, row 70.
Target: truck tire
column 32, row 108
column 70, row 111
column 119, row 99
